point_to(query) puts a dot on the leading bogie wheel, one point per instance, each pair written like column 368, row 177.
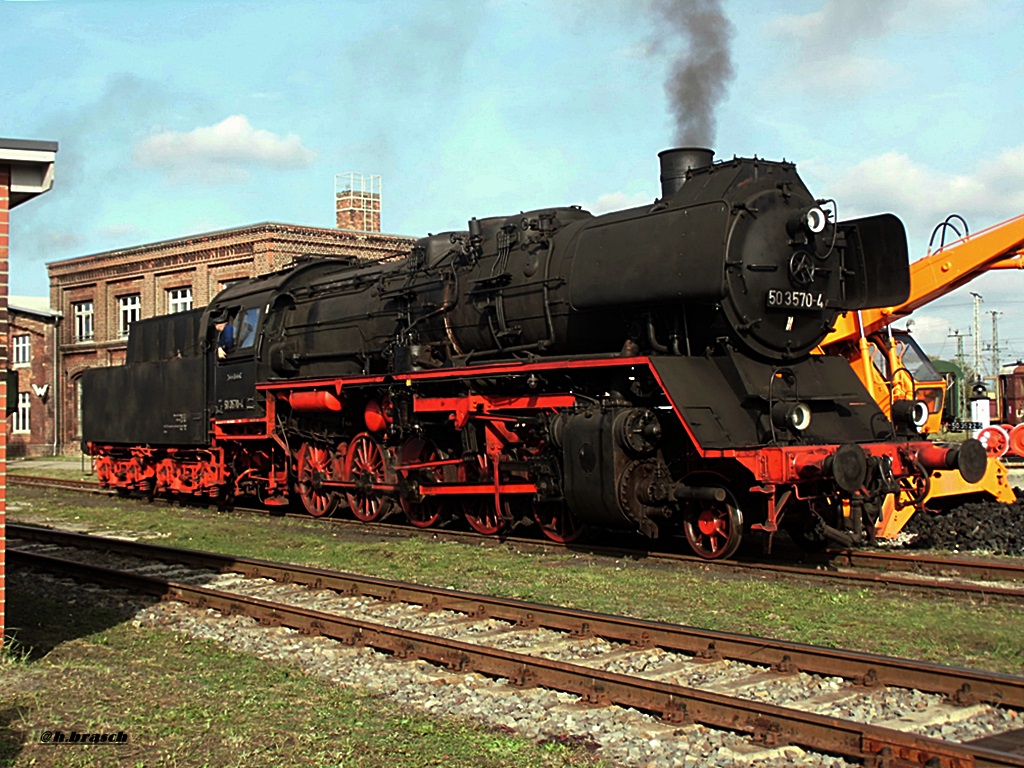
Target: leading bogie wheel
column 366, row 465
column 714, row 529
column 315, row 464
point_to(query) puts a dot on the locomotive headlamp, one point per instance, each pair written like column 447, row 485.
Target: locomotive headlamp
column 920, row 414
column 912, row 413
column 815, row 220
column 795, row 416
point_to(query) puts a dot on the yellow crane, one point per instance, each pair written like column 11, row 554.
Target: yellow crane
column 886, row 361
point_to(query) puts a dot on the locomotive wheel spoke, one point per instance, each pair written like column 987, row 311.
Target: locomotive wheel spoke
column 556, row 521
column 366, row 464
column 713, row 529
column 426, row 512
column 315, row 466
column 482, row 516
column 479, row 511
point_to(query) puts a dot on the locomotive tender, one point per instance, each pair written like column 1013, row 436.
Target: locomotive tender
column 647, row 370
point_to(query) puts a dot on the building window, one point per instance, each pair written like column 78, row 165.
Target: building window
column 20, row 418
column 22, row 352
column 179, row 300
column 83, row 320
column 128, row 308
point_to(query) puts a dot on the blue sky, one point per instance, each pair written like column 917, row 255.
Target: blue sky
column 177, row 117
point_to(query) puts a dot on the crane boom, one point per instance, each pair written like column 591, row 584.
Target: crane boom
column 933, row 276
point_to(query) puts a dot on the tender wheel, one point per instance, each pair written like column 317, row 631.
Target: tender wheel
column 427, row 511
column 315, row 464
column 713, row 528
column 366, row 466
column 556, row 521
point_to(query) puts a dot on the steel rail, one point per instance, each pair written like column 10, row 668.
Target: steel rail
column 978, row 568
column 965, row 686
column 867, row 563
column 32, row 481
column 768, row 724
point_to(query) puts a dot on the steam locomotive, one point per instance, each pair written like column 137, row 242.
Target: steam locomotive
column 649, row 370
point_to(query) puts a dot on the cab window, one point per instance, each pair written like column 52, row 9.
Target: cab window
column 247, row 322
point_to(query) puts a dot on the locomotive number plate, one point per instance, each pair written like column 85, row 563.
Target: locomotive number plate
column 795, row 299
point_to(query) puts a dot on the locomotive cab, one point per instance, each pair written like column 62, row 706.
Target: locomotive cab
column 234, row 330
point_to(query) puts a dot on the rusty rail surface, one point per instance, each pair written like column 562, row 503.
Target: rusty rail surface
column 768, row 724
column 964, row 685
column 61, row 484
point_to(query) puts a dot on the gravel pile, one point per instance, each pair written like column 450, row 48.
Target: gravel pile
column 983, row 526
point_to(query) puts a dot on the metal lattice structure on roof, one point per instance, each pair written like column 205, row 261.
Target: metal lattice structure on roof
column 357, row 200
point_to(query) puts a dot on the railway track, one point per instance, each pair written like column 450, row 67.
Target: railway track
column 974, row 577
column 774, row 692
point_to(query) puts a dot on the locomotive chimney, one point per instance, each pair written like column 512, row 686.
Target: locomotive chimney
column 676, row 162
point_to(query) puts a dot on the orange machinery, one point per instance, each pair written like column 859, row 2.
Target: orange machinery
column 886, row 361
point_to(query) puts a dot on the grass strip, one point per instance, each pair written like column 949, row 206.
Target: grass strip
column 938, row 628
column 80, row 666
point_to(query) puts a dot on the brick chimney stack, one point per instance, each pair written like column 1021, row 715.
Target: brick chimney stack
column 357, row 202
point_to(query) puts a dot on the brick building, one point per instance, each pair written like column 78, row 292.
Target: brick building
column 101, row 294
column 32, row 351
column 26, row 171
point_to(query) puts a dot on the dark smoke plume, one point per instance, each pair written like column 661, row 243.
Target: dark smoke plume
column 701, row 73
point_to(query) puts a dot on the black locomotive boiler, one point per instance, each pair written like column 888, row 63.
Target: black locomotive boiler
column 647, row 370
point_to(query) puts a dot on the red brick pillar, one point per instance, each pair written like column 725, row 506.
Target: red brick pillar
column 5, row 204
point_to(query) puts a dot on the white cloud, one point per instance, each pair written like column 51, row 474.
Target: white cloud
column 221, row 153
column 932, row 331
column 824, row 44
column 923, row 196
